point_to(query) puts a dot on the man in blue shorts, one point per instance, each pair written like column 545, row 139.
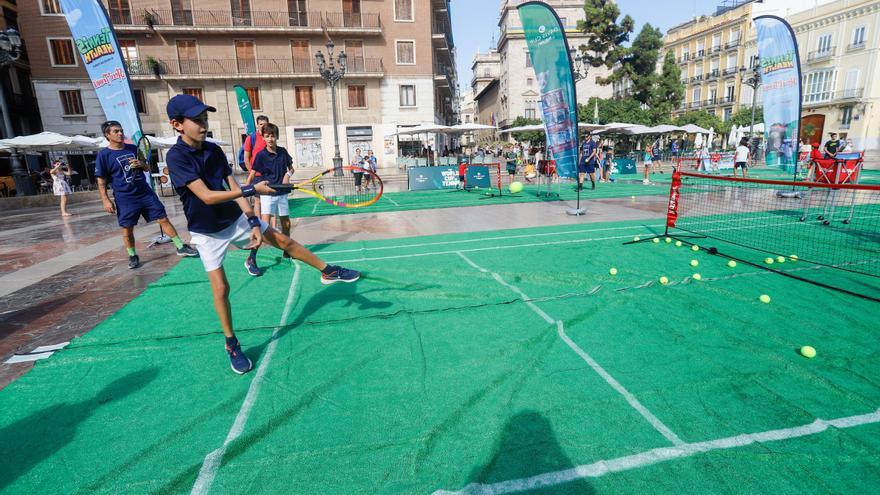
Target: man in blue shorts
column 220, row 216
column 589, row 160
column 118, row 165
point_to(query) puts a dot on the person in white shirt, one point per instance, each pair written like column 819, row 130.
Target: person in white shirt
column 848, row 147
column 741, row 159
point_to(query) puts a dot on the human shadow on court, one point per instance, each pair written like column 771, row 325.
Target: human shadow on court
column 528, row 447
column 34, row 439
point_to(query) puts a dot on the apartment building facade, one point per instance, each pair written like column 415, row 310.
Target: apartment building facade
column 519, row 95
column 710, row 51
column 839, row 48
column 400, row 68
column 16, row 80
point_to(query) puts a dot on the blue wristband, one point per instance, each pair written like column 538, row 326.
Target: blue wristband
column 248, row 191
column 254, row 222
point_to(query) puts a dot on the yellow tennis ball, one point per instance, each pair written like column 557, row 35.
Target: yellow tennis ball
column 633, row 197
column 780, row 259
column 794, row 257
column 637, row 239
column 808, row 352
column 656, row 240
column 677, row 243
column 613, row 271
column 695, row 248
column 668, row 240
column 695, row 263
column 515, row 187
column 765, row 298
column 664, row 280
column 731, row 264
column 768, row 260
column 697, row 276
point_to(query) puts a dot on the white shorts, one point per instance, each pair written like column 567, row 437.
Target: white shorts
column 212, row 247
column 274, row 205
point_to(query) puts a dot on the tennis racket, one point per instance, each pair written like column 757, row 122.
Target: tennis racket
column 353, row 187
column 143, row 146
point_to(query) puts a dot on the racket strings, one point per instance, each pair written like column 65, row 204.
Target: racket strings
column 348, row 189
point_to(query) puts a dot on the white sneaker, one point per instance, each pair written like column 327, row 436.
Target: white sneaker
column 645, row 181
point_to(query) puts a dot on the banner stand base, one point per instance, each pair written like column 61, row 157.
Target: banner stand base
column 576, row 212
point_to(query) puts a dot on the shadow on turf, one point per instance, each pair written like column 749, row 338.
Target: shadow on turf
column 528, row 447
column 29, row 441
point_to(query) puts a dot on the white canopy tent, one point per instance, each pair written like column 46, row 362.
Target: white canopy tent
column 694, row 129
column 50, row 141
column 540, row 128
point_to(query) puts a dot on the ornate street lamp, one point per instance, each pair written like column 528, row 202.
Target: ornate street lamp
column 579, row 64
column 752, row 79
column 332, row 73
column 10, row 51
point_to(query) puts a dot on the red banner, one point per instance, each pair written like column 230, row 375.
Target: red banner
column 674, row 197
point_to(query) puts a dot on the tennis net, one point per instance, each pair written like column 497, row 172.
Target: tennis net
column 834, row 225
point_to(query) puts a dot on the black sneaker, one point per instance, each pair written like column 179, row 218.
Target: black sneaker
column 339, row 274
column 594, row 185
column 134, row 261
column 188, row 251
column 285, row 255
column 237, row 360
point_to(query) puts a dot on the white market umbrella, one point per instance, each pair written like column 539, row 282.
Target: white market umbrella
column 694, row 129
column 422, row 129
column 470, row 127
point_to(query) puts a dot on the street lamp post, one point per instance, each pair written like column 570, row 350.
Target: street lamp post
column 332, row 73
column 10, row 51
column 579, row 64
column 753, row 81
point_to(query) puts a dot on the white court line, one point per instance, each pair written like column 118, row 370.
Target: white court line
column 213, row 460
column 658, row 455
column 395, row 202
column 560, row 329
column 315, row 208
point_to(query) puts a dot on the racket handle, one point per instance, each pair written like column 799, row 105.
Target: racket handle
column 282, row 188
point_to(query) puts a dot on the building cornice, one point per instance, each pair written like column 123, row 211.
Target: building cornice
column 836, row 17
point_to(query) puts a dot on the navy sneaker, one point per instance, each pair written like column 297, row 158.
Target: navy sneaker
column 134, row 261
column 237, row 360
column 251, row 265
column 186, row 250
column 339, row 274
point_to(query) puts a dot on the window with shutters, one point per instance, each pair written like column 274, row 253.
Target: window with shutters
column 246, row 56
column 407, row 95
column 51, row 7
column 254, row 95
column 61, row 51
column 406, row 52
column 305, row 98
column 357, row 96
column 403, row 10
column 197, row 92
column 140, row 101
column 71, row 102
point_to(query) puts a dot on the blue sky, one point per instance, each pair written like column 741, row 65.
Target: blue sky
column 475, row 23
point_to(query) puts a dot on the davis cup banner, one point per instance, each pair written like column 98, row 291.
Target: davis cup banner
column 781, row 86
column 548, row 47
column 96, row 43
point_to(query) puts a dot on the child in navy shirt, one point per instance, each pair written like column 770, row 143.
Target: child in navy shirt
column 118, row 164
column 219, row 214
column 274, row 165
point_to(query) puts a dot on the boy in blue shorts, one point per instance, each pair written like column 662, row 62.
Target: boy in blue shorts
column 219, row 214
column 118, row 165
column 274, row 165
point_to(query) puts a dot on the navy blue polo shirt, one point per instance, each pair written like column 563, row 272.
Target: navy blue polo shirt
column 113, row 166
column 587, row 149
column 273, row 167
column 187, row 164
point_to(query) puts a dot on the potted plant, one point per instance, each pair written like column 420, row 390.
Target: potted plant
column 149, row 18
column 155, row 66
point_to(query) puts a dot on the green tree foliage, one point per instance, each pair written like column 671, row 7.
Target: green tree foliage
column 536, row 138
column 743, row 116
column 639, row 64
column 668, row 93
column 705, row 120
column 625, row 110
column 605, row 36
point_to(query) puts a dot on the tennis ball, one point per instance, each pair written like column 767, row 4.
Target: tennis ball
column 697, row 276
column 515, row 187
column 677, row 243
column 808, row 352
column 793, row 257
column 768, row 260
column 613, row 271
column 637, row 239
column 656, row 240
column 695, row 248
column 664, row 280
column 765, row 298
column 695, row 263
column 668, row 240
column 633, row 197
column 731, row 264
column 780, row 259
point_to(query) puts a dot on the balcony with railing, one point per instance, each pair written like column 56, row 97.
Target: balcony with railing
column 730, row 45
column 233, row 20
column 273, row 68
column 444, row 75
column 697, row 78
column 820, row 55
column 699, row 54
column 696, row 104
column 711, row 102
column 713, row 74
column 730, row 71
column 716, row 49
column 826, row 97
column 442, row 31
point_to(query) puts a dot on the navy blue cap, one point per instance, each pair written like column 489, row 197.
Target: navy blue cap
column 187, row 105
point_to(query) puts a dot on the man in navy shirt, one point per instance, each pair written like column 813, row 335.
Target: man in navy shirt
column 588, row 161
column 118, row 164
column 274, row 165
column 219, row 214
